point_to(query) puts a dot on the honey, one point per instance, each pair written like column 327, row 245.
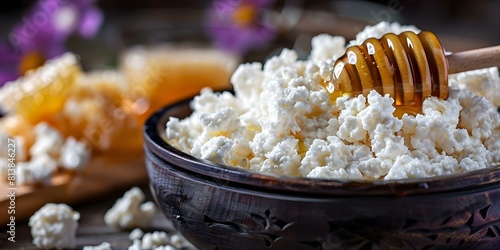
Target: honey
column 161, row 75
column 41, row 94
column 409, row 67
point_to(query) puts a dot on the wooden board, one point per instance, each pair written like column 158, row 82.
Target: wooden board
column 104, row 174
column 92, row 230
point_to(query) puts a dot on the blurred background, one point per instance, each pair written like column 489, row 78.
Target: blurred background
column 104, row 110
column 460, row 24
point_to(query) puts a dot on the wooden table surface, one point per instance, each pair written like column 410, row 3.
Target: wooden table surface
column 92, row 230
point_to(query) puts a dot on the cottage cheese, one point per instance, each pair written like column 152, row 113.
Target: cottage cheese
column 483, row 82
column 74, row 154
column 48, row 140
column 130, row 211
column 54, row 227
column 37, row 171
column 102, row 246
column 158, row 240
column 135, row 234
column 380, row 29
column 282, row 120
column 154, row 240
column 49, row 152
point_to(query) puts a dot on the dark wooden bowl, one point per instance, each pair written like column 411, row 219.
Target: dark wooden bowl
column 221, row 207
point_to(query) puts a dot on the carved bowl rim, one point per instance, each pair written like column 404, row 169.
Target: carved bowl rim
column 155, row 141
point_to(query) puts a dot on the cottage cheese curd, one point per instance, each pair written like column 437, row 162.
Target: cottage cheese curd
column 102, row 246
column 130, row 211
column 54, row 227
column 282, row 121
column 158, row 240
column 50, row 151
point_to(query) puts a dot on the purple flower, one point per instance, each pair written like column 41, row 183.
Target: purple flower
column 41, row 34
column 238, row 26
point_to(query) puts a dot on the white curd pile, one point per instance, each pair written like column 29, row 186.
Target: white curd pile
column 281, row 120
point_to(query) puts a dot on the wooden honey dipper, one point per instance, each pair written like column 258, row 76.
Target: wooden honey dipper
column 409, row 67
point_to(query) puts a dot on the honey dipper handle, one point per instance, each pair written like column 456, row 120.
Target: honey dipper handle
column 474, row 59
